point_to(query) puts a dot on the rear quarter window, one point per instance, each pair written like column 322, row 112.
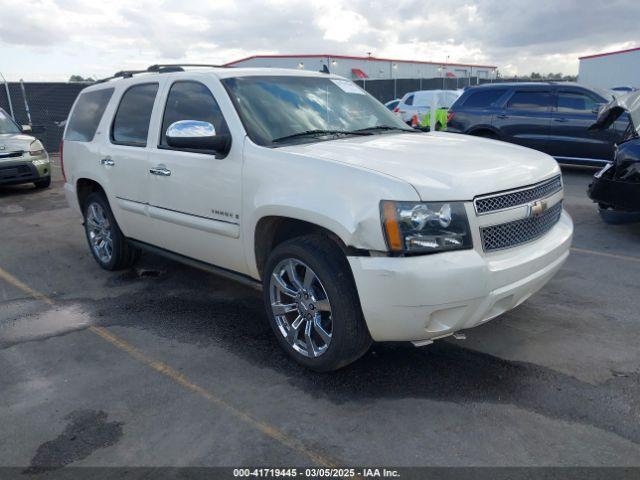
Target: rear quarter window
column 483, row 98
column 87, row 114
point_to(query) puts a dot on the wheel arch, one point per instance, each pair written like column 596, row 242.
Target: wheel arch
column 86, row 186
column 478, row 130
column 272, row 230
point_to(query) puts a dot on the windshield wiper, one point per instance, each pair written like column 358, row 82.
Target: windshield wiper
column 384, row 127
column 318, row 133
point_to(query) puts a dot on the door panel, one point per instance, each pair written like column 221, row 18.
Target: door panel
column 570, row 136
column 195, row 203
column 125, row 159
column 526, row 119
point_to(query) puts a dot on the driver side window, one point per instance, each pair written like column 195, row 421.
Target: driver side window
column 189, row 100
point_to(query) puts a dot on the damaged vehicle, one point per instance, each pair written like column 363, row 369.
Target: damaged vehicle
column 616, row 188
column 355, row 227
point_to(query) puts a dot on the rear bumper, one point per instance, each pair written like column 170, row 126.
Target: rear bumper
column 72, row 197
column 432, row 296
column 15, row 173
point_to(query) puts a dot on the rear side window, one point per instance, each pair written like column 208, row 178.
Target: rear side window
column 191, row 101
column 575, row 102
column 483, row 98
column 131, row 123
column 409, row 101
column 536, row 101
column 87, row 114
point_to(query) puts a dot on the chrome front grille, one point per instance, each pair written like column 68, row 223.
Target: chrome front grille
column 506, row 235
column 514, row 198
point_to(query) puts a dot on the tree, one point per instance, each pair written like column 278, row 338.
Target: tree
column 78, row 78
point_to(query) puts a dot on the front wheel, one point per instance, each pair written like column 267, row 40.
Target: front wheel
column 312, row 304
column 108, row 245
column 43, row 183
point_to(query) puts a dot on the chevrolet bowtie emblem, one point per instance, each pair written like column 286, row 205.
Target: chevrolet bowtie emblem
column 537, row 208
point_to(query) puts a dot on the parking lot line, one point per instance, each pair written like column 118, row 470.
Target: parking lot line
column 178, row 378
column 605, row 254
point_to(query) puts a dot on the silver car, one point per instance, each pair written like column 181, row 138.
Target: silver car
column 23, row 158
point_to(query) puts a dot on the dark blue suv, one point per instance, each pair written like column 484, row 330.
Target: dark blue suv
column 550, row 117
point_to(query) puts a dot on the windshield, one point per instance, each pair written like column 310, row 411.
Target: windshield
column 7, row 125
column 304, row 109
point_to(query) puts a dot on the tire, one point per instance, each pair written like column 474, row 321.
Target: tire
column 333, row 287
column 99, row 222
column 43, row 183
column 616, row 217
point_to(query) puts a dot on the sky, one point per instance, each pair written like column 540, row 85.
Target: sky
column 54, row 39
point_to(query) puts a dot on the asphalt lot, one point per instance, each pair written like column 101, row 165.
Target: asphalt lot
column 167, row 365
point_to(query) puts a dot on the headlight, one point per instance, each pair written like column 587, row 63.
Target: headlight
column 36, row 148
column 416, row 227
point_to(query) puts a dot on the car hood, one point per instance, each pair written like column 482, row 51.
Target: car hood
column 15, row 141
column 608, row 114
column 440, row 166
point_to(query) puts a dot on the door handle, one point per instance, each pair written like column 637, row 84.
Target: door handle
column 561, row 120
column 106, row 161
column 159, row 170
column 501, row 115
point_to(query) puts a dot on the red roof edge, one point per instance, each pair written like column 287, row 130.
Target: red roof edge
column 350, row 57
column 606, row 54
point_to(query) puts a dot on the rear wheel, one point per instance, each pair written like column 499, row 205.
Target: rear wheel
column 312, row 304
column 108, row 245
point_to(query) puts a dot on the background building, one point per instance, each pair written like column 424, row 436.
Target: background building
column 612, row 69
column 370, row 68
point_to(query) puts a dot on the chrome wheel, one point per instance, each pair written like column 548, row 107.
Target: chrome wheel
column 100, row 232
column 301, row 307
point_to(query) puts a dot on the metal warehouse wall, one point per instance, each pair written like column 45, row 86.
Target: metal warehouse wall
column 49, row 105
column 610, row 71
column 374, row 68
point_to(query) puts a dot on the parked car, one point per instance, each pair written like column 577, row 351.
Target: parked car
column 415, row 107
column 356, row 227
column 616, row 188
column 23, row 158
column 393, row 104
column 623, row 89
column 553, row 118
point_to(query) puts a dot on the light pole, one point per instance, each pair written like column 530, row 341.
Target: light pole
column 6, row 88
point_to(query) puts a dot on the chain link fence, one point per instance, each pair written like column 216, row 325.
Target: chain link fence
column 41, row 103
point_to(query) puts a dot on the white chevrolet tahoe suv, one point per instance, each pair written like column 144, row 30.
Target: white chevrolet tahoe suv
column 356, row 227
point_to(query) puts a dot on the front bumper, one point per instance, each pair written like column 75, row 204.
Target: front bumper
column 425, row 297
column 17, row 172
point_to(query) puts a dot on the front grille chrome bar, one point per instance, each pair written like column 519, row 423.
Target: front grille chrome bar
column 495, row 202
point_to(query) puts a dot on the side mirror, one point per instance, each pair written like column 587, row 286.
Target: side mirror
column 25, row 128
column 197, row 136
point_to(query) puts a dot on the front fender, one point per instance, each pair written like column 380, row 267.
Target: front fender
column 340, row 198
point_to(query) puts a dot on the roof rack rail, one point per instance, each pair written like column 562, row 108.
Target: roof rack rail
column 166, row 66
column 121, row 74
column 158, row 68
